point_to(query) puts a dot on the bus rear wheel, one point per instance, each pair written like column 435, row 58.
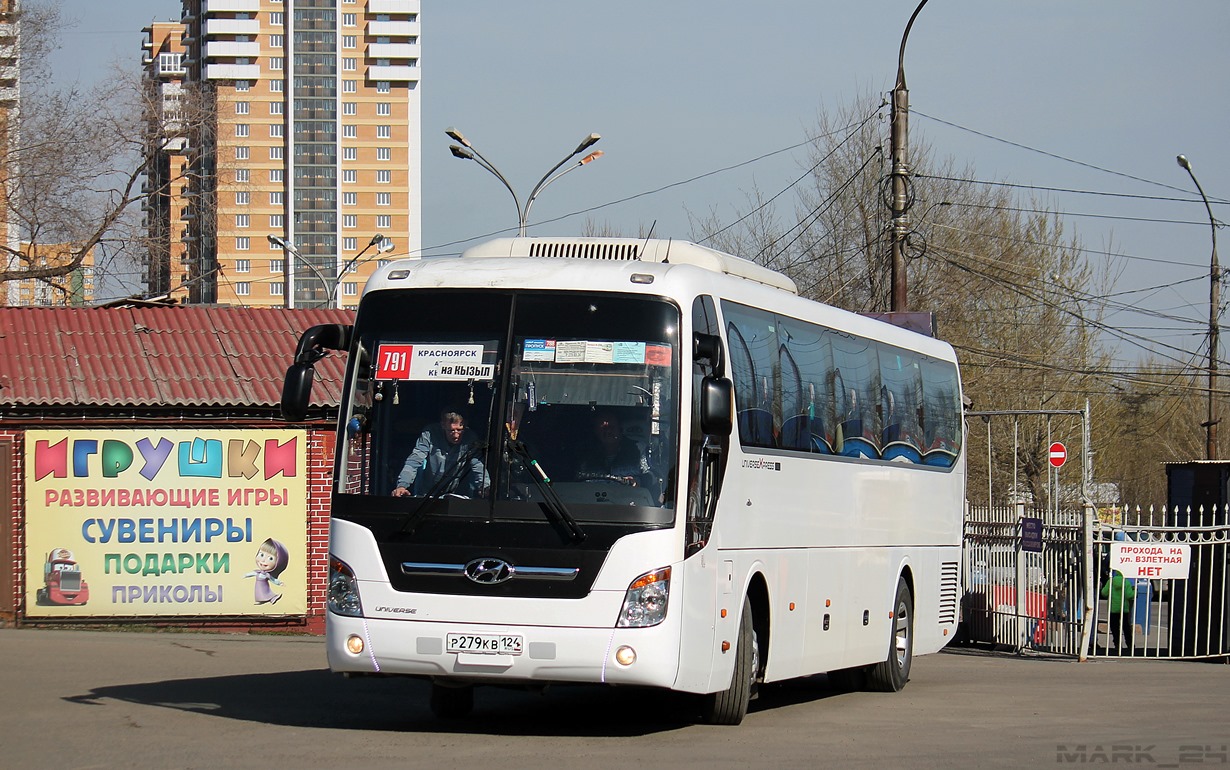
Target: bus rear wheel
column 893, row 672
column 451, row 702
column 729, row 706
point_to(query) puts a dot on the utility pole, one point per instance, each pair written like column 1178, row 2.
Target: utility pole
column 1210, row 424
column 899, row 129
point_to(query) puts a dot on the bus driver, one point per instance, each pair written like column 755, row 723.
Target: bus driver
column 435, row 455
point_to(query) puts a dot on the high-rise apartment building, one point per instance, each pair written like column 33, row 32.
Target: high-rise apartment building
column 168, row 270
column 297, row 126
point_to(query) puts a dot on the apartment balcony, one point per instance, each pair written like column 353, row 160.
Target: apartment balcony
column 392, row 6
column 232, row 27
column 228, row 49
column 169, row 69
column 393, row 51
column 232, row 72
column 229, row 6
column 393, row 28
column 394, row 73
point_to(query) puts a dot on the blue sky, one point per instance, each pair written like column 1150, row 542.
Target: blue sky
column 1090, row 95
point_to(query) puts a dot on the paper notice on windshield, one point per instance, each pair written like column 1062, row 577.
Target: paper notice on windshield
column 570, row 351
column 432, row 362
column 538, row 350
column 658, row 355
column 629, row 352
column 599, row 352
column 596, row 352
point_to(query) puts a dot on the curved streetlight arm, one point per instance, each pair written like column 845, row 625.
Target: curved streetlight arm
column 585, row 144
column 1187, row 166
column 595, row 155
column 292, row 252
column 382, row 246
column 468, row 152
column 901, row 53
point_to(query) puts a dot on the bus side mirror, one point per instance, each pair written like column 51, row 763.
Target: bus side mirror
column 708, row 347
column 313, row 345
column 320, row 338
column 717, row 399
column 296, row 391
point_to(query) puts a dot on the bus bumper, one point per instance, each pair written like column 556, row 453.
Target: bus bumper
column 627, row 656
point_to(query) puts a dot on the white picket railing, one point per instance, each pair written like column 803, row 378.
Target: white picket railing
column 1174, row 573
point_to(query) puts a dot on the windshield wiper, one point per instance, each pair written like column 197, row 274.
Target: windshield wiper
column 554, row 504
column 445, row 481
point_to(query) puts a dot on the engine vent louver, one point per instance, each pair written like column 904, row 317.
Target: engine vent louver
column 623, row 252
column 948, row 592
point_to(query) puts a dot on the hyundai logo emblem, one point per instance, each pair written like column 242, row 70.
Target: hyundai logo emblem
column 490, row 571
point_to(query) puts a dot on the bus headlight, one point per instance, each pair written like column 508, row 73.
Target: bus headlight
column 343, row 589
column 646, row 599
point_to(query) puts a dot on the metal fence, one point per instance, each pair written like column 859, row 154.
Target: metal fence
column 1179, row 607
column 1056, row 590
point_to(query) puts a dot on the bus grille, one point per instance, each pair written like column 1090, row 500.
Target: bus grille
column 623, row 252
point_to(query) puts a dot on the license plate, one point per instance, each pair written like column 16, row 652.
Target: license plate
column 484, row 644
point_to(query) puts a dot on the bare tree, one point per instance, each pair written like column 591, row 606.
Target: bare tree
column 1001, row 277
column 76, row 169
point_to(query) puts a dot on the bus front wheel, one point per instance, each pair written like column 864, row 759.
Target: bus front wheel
column 729, row 706
column 893, row 672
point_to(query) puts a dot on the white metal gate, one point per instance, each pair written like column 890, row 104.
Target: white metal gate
column 1168, row 597
column 1023, row 599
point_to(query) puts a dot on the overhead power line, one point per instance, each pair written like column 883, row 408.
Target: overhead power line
column 1056, row 156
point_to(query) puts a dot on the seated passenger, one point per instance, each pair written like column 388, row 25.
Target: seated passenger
column 614, row 457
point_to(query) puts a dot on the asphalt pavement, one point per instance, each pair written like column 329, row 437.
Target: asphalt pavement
column 112, row 699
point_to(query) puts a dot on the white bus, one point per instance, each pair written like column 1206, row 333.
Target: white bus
column 789, row 501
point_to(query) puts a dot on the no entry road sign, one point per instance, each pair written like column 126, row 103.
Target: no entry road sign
column 1059, row 454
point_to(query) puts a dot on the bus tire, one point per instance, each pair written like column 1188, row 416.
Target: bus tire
column 729, row 706
column 451, row 702
column 892, row 674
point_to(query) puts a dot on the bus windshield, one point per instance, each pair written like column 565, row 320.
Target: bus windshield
column 498, row 404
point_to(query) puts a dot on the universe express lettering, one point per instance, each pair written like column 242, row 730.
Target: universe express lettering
column 166, row 530
column 197, row 458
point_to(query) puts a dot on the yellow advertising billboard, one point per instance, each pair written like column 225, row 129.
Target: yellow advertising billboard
column 137, row 523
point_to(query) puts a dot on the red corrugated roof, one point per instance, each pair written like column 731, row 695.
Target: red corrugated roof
column 157, row 356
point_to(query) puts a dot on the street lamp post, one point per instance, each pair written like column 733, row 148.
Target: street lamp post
column 383, row 245
column 467, row 151
column 899, row 138
column 1210, row 423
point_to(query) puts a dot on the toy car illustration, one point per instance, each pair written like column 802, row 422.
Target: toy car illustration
column 62, row 583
